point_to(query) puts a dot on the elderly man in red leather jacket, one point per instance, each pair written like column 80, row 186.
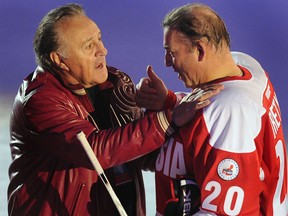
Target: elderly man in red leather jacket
column 73, row 90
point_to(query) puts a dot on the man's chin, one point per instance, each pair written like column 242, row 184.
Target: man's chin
column 102, row 76
column 100, row 81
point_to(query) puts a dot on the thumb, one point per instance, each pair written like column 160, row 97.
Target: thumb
column 152, row 75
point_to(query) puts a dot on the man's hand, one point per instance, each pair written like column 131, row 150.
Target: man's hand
column 151, row 91
column 190, row 104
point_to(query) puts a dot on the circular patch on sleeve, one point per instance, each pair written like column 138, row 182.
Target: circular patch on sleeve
column 228, row 169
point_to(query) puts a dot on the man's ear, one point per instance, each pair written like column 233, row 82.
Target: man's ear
column 58, row 60
column 200, row 50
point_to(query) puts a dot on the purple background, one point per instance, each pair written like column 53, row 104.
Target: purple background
column 132, row 34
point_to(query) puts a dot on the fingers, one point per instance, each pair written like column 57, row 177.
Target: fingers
column 151, row 74
column 202, row 104
column 185, row 112
column 151, row 91
column 145, row 100
column 207, row 93
column 195, row 105
column 201, row 94
column 143, row 81
column 149, row 70
column 145, row 95
column 212, row 87
column 197, row 99
column 144, row 86
column 210, row 92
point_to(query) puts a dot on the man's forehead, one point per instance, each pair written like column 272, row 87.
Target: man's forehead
column 172, row 36
column 78, row 27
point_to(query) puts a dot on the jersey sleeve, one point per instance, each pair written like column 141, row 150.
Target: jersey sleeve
column 274, row 198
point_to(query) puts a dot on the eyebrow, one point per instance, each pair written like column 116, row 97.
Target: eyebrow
column 91, row 38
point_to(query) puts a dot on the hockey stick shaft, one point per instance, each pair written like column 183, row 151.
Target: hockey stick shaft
column 82, row 138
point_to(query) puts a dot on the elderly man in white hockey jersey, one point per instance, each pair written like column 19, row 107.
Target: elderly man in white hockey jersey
column 234, row 151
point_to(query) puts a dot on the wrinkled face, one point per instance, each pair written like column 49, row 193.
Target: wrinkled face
column 84, row 52
column 181, row 56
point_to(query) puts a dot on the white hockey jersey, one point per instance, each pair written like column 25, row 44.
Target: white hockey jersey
column 234, row 149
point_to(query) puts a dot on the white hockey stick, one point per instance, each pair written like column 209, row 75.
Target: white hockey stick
column 82, row 138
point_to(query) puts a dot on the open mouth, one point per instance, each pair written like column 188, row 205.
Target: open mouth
column 100, row 66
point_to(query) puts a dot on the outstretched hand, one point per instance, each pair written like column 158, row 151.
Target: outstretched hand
column 151, row 91
column 191, row 103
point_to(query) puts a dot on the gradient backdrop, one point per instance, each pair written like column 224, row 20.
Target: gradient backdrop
column 132, row 34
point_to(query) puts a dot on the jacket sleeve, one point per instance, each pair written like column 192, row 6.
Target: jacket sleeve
column 54, row 122
column 131, row 141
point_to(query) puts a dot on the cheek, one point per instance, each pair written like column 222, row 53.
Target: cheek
column 181, row 61
column 89, row 67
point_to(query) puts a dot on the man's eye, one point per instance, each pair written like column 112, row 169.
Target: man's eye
column 89, row 46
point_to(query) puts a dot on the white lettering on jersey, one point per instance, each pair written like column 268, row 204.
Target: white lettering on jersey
column 274, row 115
column 280, row 208
column 233, row 200
column 268, row 92
column 171, row 159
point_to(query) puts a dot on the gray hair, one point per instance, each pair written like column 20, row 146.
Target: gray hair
column 46, row 39
column 197, row 21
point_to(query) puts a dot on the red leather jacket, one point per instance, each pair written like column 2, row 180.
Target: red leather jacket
column 50, row 173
